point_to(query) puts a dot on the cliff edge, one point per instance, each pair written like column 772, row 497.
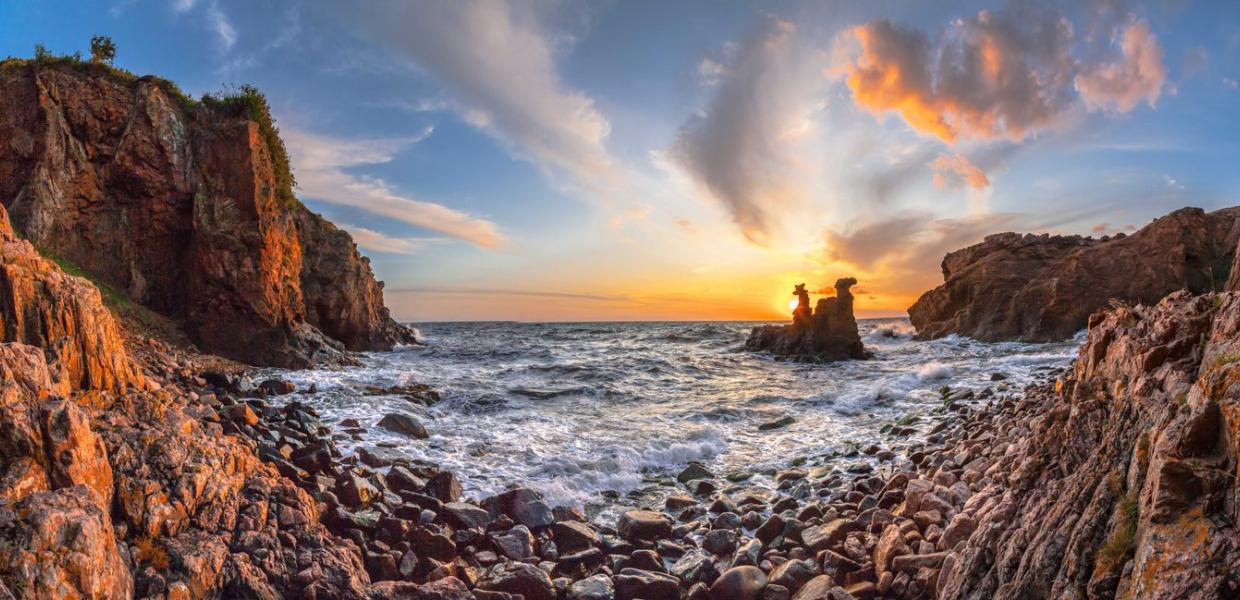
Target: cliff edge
column 185, row 207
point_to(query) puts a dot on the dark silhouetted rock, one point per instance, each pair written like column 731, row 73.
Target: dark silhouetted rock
column 828, row 333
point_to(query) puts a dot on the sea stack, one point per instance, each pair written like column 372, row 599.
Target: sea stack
column 825, row 334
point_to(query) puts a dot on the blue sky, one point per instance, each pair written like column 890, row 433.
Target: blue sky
column 683, row 160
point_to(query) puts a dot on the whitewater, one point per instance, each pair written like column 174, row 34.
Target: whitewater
column 603, row 415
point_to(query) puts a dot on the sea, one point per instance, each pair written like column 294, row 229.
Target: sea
column 602, row 416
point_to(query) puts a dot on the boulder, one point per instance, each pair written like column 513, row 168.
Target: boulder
column 406, row 425
column 739, row 583
column 644, row 525
column 62, row 541
column 62, row 315
column 518, row 578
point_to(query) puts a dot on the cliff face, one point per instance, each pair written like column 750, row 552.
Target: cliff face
column 1043, row 288
column 828, row 333
column 180, row 208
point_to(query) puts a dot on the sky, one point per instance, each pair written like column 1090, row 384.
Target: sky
column 642, row 160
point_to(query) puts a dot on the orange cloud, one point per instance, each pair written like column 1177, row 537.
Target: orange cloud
column 1138, row 75
column 953, row 171
column 1002, row 74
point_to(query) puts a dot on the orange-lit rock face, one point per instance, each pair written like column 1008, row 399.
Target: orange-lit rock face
column 41, row 306
column 178, row 208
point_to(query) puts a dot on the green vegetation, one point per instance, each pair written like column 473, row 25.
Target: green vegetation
column 102, row 49
column 100, row 64
column 111, row 296
column 246, row 101
column 1116, row 550
column 1226, row 358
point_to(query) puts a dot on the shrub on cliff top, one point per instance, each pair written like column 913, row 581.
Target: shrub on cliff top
column 246, row 101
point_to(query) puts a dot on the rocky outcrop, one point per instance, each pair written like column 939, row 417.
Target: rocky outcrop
column 64, row 316
column 823, row 334
column 1038, row 288
column 180, row 207
column 342, row 296
column 1121, row 482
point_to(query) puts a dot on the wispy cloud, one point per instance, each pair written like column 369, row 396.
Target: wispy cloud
column 323, row 173
column 221, row 25
column 379, row 242
column 498, row 64
column 506, row 292
column 741, row 149
column 953, row 171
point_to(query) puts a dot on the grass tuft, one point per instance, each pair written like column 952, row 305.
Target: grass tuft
column 1117, row 549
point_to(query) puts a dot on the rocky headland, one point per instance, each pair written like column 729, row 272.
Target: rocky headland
column 131, row 465
column 1039, row 288
column 185, row 207
column 825, row 333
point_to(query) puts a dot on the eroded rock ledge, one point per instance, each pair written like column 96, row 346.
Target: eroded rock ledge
column 1038, row 288
column 178, row 206
column 824, row 334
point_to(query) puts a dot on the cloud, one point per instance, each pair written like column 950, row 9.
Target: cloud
column 322, row 165
column 903, row 252
column 380, row 242
column 1229, row 83
column 220, row 24
column 1137, row 76
column 183, row 5
column 956, row 170
column 505, row 292
column 740, row 150
column 1002, row 74
column 498, row 65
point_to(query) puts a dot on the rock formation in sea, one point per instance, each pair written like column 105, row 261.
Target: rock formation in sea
column 826, row 333
column 185, row 207
column 1038, row 288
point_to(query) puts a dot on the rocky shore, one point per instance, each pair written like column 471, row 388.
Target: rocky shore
column 132, row 465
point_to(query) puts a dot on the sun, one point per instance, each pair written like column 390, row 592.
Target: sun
column 792, row 304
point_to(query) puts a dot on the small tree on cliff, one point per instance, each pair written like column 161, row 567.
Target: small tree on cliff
column 102, row 49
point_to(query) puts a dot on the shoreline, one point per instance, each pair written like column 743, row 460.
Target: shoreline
column 803, row 494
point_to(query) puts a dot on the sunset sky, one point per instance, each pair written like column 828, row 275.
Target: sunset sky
column 693, row 160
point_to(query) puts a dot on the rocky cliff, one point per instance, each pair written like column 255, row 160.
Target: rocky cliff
column 186, row 208
column 120, row 484
column 1121, row 482
column 823, row 334
column 1038, row 288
